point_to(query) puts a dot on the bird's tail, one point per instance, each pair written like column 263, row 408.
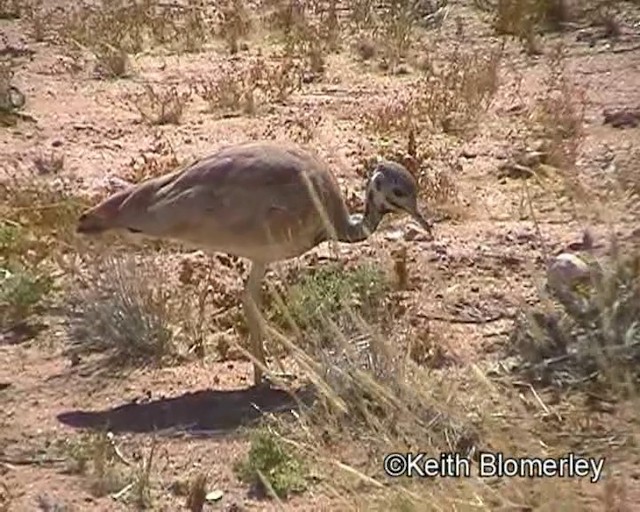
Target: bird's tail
column 104, row 216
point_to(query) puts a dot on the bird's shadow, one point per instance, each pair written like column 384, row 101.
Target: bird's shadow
column 209, row 411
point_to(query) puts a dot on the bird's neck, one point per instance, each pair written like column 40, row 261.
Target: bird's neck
column 359, row 227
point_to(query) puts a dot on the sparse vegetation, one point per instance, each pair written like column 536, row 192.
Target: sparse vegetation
column 93, row 455
column 161, row 105
column 325, row 300
column 408, row 344
column 117, row 309
column 272, row 467
column 591, row 336
column 11, row 99
column 451, row 99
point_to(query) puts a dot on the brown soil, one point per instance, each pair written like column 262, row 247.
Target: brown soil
column 486, row 261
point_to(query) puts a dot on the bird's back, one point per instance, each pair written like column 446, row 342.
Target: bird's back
column 259, row 200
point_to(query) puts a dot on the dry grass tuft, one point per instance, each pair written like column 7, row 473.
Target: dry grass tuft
column 10, row 9
column 235, row 23
column 450, row 99
column 94, row 455
column 309, row 31
column 589, row 337
column 51, row 162
column 242, row 88
column 161, row 105
column 114, row 30
column 553, row 129
column 115, row 308
column 558, row 114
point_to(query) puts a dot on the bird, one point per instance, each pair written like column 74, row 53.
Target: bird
column 262, row 200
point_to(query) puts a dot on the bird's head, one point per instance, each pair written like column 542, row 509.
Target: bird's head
column 392, row 188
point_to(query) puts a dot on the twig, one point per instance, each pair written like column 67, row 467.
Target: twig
column 31, row 461
column 452, row 320
column 122, row 492
column 116, row 450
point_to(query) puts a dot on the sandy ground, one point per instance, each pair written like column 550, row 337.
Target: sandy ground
column 487, row 261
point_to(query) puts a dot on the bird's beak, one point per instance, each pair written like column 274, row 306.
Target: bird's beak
column 420, row 219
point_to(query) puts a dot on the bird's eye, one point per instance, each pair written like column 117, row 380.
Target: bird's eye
column 399, row 192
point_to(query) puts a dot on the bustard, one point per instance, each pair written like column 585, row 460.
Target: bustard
column 262, row 201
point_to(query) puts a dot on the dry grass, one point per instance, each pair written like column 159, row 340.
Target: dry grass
column 448, row 96
column 113, row 31
column 10, row 9
column 380, row 378
column 242, row 89
column 161, row 104
column 100, row 461
column 590, row 337
column 116, row 308
column 235, row 23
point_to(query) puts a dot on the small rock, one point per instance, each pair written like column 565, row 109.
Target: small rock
column 56, row 143
column 622, row 118
column 394, row 235
column 567, row 270
column 414, row 232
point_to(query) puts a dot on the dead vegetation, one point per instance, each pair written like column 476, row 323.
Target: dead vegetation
column 160, row 104
column 449, row 95
column 244, row 89
column 380, row 371
column 589, row 337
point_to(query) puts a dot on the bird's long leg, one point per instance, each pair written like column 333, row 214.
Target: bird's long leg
column 251, row 305
column 252, row 301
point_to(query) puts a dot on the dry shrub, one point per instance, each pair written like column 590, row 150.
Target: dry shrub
column 235, row 23
column 362, row 15
column 592, row 339
column 161, row 104
column 450, row 99
column 395, row 31
column 239, row 88
column 233, row 89
column 159, row 160
column 557, row 115
column 113, row 30
column 11, row 99
column 50, row 162
column 10, row 9
column 309, row 30
column 522, row 17
column 553, row 134
column 38, row 20
column 116, row 306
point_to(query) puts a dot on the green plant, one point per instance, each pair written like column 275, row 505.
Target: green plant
column 271, row 467
column 334, row 293
column 21, row 292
